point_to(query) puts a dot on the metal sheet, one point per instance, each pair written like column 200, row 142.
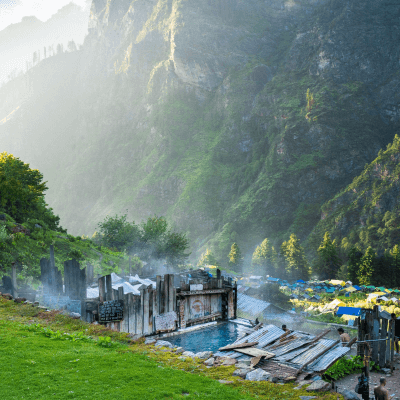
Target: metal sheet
column 255, row 352
column 313, row 351
column 328, row 359
column 289, row 347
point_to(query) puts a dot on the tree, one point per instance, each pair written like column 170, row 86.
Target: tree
column 263, row 258
column 207, row 258
column 152, row 240
column 22, row 192
column 395, row 255
column 366, row 270
column 60, row 48
column 235, row 258
column 354, row 264
column 327, row 262
column 71, row 46
column 44, row 51
column 34, row 58
column 295, row 260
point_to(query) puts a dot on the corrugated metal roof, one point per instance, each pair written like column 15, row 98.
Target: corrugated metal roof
column 303, row 358
column 289, row 346
column 250, row 305
column 329, row 358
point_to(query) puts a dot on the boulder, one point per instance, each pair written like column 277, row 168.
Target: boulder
column 229, row 361
column 150, row 341
column 242, row 372
column 74, row 315
column 319, row 386
column 20, row 300
column 188, row 354
column 179, row 350
column 307, row 397
column 258, row 375
column 7, row 296
column 210, row 361
column 164, row 343
column 203, row 355
column 348, row 395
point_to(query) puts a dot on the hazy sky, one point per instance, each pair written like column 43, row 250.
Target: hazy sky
column 12, row 11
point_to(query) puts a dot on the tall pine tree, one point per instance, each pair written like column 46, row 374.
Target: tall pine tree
column 235, row 258
column 327, row 262
column 262, row 260
column 295, row 260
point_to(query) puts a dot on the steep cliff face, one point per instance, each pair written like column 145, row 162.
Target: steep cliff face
column 236, row 119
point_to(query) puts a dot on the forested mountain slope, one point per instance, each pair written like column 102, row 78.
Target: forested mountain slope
column 235, row 119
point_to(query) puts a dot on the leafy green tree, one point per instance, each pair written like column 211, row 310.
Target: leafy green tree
column 116, row 232
column 22, row 193
column 235, row 258
column 207, row 258
column 327, row 262
column 151, row 240
column 354, row 264
column 262, row 259
column 295, row 260
column 366, row 270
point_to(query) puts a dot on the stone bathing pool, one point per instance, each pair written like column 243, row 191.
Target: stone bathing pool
column 210, row 338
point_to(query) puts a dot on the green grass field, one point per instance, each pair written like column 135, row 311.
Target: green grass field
column 35, row 366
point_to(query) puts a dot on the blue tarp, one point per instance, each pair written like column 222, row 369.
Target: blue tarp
column 348, row 311
column 300, row 281
column 330, row 290
column 273, row 279
column 357, row 287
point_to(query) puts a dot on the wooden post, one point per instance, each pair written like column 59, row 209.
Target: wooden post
column 140, row 313
column 109, row 290
column 388, row 345
column 14, row 280
column 166, row 293
column 392, row 346
column 131, row 313
column 121, row 293
column 150, row 313
column 382, row 344
column 102, row 289
column 171, row 298
column 161, row 303
column 125, row 321
column 375, row 335
column 155, row 305
column 158, row 294
column 182, row 319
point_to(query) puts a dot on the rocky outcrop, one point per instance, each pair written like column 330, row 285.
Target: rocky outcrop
column 199, row 111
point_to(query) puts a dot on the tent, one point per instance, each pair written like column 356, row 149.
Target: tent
column 348, row 311
column 358, row 287
column 351, row 289
column 381, row 289
column 330, row 290
column 396, row 291
column 333, row 304
column 309, row 290
column 388, row 290
column 382, row 298
column 300, row 281
column 337, row 283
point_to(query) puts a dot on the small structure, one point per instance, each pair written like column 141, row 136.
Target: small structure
column 255, row 307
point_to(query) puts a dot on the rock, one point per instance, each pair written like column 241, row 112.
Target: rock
column 225, row 382
column 242, row 365
column 307, row 397
column 188, row 354
column 290, row 379
column 348, row 395
column 319, row 386
column 164, row 343
column 20, row 300
column 258, row 375
column 204, row 355
column 245, row 362
column 273, row 379
column 75, row 315
column 7, row 296
column 150, row 341
column 210, row 361
column 386, row 370
column 229, row 361
column 242, row 372
column 179, row 350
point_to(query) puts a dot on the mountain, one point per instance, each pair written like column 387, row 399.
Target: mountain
column 236, row 119
column 19, row 41
column 366, row 212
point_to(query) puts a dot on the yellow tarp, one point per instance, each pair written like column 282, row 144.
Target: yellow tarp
column 351, row 289
column 309, row 290
column 335, row 303
column 336, row 282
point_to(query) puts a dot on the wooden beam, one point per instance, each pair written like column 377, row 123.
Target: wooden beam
column 238, row 346
column 254, row 352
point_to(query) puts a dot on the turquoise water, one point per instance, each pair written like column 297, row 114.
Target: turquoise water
column 207, row 339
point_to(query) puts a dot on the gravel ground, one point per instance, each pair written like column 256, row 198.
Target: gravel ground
column 393, row 382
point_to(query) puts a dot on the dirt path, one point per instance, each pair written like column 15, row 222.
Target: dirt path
column 393, row 382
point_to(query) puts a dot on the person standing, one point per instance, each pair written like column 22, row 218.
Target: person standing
column 380, row 392
column 344, row 337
